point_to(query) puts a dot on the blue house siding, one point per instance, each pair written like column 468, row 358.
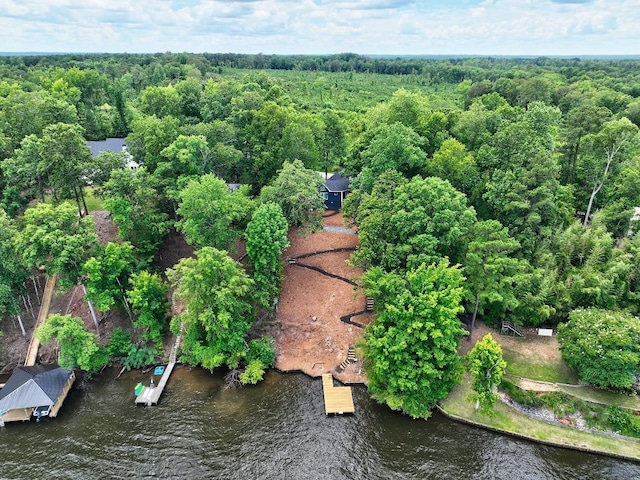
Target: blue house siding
column 334, row 191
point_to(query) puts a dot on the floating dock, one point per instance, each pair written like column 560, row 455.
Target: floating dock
column 337, row 400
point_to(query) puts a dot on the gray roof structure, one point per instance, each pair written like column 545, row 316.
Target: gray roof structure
column 109, row 145
column 337, row 183
column 34, row 386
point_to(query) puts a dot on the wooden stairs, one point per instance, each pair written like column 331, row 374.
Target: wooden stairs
column 509, row 328
column 351, row 358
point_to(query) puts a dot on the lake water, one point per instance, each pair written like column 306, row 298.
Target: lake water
column 276, row 430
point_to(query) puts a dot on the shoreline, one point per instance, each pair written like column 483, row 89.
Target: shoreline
column 522, row 436
column 554, row 435
column 513, row 433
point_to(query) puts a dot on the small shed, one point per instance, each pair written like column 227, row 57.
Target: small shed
column 334, row 191
column 39, row 390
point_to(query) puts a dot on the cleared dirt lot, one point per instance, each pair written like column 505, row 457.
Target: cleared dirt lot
column 309, row 334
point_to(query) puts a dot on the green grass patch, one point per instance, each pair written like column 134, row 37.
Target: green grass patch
column 93, row 202
column 510, row 420
column 595, row 395
column 538, row 368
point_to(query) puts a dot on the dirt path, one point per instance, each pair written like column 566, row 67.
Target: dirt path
column 309, row 334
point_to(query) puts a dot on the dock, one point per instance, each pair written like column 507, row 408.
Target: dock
column 34, row 344
column 151, row 395
column 337, row 400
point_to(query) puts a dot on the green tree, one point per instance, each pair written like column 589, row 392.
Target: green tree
column 420, row 221
column 266, row 236
column 490, row 268
column 602, row 345
column 78, row 347
column 452, row 162
column 212, row 216
column 411, row 358
column 149, row 137
column 12, row 272
column 332, row 142
column 218, row 313
column 132, row 199
column 590, row 270
column 148, row 298
column 58, row 239
column 28, row 113
column 296, row 190
column 486, row 366
column 107, row 274
column 187, row 158
column 523, row 190
column 601, row 151
column 160, row 101
column 66, row 161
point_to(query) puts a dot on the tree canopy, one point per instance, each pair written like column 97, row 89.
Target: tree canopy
column 296, row 190
column 411, row 345
column 602, row 345
column 266, row 237
column 218, row 312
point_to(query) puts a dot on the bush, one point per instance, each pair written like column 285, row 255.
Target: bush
column 139, row 357
column 119, row 343
column 602, row 345
column 523, row 397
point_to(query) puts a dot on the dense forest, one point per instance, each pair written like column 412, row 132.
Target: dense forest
column 507, row 185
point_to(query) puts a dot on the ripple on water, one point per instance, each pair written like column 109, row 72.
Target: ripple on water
column 274, row 430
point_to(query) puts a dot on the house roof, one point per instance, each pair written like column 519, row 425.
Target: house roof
column 109, row 145
column 337, row 183
column 34, row 386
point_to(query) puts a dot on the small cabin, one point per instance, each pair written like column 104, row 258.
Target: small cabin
column 37, row 390
column 334, row 191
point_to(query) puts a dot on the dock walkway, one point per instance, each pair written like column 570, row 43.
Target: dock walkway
column 151, row 395
column 336, row 399
column 34, row 344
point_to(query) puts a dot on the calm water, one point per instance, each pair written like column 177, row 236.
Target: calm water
column 275, row 430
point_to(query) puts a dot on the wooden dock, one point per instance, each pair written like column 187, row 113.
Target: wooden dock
column 34, row 344
column 337, row 400
column 150, row 395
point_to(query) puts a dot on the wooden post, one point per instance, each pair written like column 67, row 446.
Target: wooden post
column 24, row 334
column 93, row 313
column 35, row 289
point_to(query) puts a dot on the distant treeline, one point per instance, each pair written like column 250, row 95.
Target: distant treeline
column 437, row 69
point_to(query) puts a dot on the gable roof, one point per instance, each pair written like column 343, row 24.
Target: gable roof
column 337, row 183
column 34, row 386
column 109, row 145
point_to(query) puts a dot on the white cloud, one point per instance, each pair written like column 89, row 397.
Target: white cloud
column 487, row 27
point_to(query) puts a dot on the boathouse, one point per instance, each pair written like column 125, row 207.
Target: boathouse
column 37, row 390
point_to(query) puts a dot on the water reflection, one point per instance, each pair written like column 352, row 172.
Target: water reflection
column 275, row 430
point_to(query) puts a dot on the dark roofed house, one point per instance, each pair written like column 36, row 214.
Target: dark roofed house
column 335, row 190
column 38, row 390
column 115, row 145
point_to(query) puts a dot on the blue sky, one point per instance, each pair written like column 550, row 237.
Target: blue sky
column 397, row 27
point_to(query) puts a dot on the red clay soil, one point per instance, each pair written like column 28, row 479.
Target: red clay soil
column 13, row 348
column 308, row 332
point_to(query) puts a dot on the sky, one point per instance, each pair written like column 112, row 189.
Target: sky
column 386, row 27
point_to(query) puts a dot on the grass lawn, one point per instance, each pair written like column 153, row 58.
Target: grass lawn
column 510, row 420
column 537, row 367
column 595, row 395
column 93, row 202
